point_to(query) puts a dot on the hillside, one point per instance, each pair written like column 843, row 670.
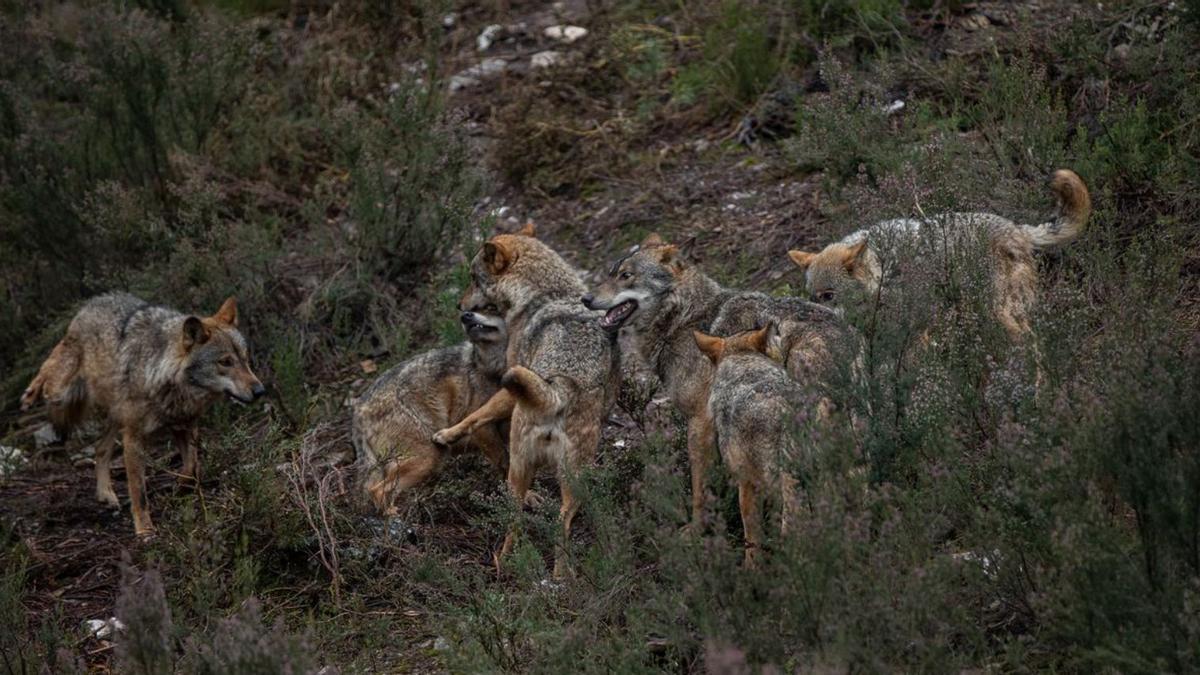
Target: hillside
column 975, row 506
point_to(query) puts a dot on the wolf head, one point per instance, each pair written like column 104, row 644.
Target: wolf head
column 512, row 270
column 215, row 355
column 484, row 324
column 836, row 271
column 763, row 341
column 637, row 284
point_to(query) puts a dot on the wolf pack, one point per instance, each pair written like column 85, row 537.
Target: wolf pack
column 540, row 369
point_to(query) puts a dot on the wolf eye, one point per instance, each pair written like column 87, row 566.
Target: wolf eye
column 625, row 276
column 227, row 362
column 491, row 309
column 825, row 296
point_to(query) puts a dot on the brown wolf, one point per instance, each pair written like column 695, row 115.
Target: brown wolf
column 854, row 261
column 395, row 418
column 563, row 375
column 147, row 370
column 754, row 406
column 660, row 299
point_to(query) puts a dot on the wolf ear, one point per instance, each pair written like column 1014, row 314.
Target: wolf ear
column 527, row 230
column 667, row 253
column 653, row 239
column 761, row 339
column 854, row 254
column 709, row 345
column 497, row 257
column 194, row 332
column 802, row 259
column 228, row 312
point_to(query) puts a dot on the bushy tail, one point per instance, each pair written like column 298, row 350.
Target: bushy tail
column 531, row 390
column 1074, row 207
column 58, row 383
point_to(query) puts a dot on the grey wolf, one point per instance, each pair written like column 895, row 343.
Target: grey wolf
column 854, row 261
column 394, row 420
column 659, row 299
column 148, row 371
column 754, row 404
column 563, row 371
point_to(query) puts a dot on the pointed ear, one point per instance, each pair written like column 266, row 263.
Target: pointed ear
column 854, row 254
column 194, row 332
column 652, row 239
column 760, row 340
column 228, row 312
column 667, row 253
column 802, row 259
column 710, row 346
column 497, row 257
column 774, row 341
column 527, row 230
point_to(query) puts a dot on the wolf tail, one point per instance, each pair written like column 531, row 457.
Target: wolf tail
column 59, row 384
column 1074, row 207
column 531, row 390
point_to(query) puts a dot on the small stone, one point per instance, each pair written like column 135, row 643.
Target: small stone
column 488, row 37
column 974, row 22
column 45, row 435
column 449, row 20
column 11, row 459
column 893, row 107
column 546, row 59
column 368, row 366
column 1121, row 51
column 565, row 34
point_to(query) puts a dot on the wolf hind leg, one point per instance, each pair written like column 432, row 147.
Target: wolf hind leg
column 520, row 477
column 401, row 475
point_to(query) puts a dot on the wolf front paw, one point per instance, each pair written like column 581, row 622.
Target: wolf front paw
column 107, row 497
column 446, row 437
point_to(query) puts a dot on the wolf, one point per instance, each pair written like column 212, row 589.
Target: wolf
column 659, row 299
column 754, row 406
column 563, row 373
column 148, row 371
column 393, row 422
column 854, row 262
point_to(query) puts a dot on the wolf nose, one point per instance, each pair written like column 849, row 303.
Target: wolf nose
column 587, row 300
column 258, row 390
column 466, row 316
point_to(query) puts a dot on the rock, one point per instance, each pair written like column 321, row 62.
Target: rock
column 45, row 435
column 441, row 644
column 488, row 37
column 1121, row 51
column 11, row 459
column 974, row 22
column 546, row 59
column 449, row 20
column 565, row 34
column 473, row 76
column 893, row 107
column 101, row 629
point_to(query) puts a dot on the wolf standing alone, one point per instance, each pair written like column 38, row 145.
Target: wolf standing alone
column 147, row 370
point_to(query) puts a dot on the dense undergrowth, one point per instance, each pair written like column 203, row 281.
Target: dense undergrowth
column 975, row 505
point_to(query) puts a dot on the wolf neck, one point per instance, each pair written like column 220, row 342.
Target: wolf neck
column 554, row 282
column 669, row 344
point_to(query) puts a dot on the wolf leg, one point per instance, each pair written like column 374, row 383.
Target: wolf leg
column 135, row 475
column 566, row 514
column 520, row 477
column 751, row 521
column 498, row 407
column 104, row 452
column 402, row 475
column 189, row 447
column 701, row 439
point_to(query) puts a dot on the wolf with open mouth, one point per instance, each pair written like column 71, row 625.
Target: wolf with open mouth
column 659, row 299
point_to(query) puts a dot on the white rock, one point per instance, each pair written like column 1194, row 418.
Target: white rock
column 101, row 629
column 11, row 459
column 471, row 77
column 566, row 34
column 45, row 435
column 488, row 37
column 462, row 82
column 893, row 107
column 546, row 59
column 619, row 443
column 441, row 644
column 449, row 20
